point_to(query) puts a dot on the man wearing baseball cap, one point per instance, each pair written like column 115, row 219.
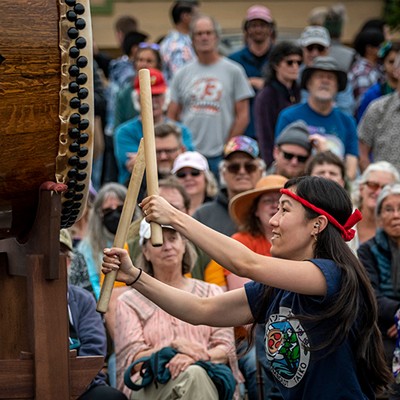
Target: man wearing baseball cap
column 127, row 135
column 291, row 151
column 315, row 42
column 323, row 80
column 240, row 170
column 258, row 28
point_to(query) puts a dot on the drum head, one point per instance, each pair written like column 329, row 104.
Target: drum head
column 46, row 108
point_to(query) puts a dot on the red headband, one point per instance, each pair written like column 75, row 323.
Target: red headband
column 347, row 232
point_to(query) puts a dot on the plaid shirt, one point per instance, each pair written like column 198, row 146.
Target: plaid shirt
column 362, row 76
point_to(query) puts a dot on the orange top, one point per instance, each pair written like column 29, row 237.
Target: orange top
column 259, row 244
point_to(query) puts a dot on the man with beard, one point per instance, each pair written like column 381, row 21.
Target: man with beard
column 316, row 42
column 258, row 30
column 323, row 80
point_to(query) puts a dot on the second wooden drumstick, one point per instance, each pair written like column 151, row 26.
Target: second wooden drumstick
column 146, row 109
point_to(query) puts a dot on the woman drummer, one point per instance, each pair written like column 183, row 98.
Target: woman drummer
column 321, row 338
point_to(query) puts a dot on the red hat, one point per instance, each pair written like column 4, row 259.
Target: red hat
column 157, row 82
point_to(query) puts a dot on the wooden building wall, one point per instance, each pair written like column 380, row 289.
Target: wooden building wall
column 290, row 15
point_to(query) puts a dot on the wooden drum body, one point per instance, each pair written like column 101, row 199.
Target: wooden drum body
column 46, row 108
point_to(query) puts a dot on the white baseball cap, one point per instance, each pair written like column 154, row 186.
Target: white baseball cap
column 145, row 231
column 190, row 159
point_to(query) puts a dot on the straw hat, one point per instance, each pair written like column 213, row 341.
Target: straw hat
column 239, row 206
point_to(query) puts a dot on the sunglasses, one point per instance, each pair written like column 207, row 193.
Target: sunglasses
column 153, row 46
column 374, row 185
column 234, row 168
column 318, row 47
column 291, row 62
column 289, row 156
column 184, row 174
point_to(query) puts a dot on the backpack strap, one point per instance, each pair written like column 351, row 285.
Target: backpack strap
column 153, row 369
column 145, row 372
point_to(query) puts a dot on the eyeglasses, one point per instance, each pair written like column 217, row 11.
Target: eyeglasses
column 318, row 47
column 184, row 174
column 270, row 201
column 374, row 185
column 234, row 168
column 168, row 152
column 289, row 156
column 291, row 62
column 201, row 33
column 390, row 210
column 153, row 46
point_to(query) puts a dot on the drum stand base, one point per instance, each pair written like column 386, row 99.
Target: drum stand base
column 35, row 361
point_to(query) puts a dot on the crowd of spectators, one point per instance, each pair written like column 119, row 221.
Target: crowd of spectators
column 229, row 131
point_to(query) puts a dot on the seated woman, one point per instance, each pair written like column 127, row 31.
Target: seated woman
column 102, row 226
column 192, row 170
column 365, row 192
column 381, row 258
column 143, row 328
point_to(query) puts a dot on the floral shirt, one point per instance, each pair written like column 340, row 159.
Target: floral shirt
column 176, row 51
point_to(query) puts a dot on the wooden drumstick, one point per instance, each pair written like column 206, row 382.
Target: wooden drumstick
column 123, row 226
column 146, row 107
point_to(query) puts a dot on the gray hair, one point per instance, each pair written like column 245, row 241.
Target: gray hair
column 165, row 129
column 98, row 237
column 393, row 188
column 380, row 166
column 215, row 24
column 188, row 261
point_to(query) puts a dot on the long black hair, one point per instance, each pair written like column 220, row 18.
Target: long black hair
column 354, row 309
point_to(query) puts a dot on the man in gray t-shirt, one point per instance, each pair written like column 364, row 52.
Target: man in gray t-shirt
column 210, row 95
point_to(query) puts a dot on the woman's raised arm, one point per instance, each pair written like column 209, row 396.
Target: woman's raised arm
column 298, row 276
column 225, row 310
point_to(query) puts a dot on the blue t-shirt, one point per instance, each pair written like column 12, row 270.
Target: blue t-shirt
column 340, row 129
column 302, row 374
column 127, row 139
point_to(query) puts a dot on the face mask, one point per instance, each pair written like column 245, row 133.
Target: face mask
column 111, row 220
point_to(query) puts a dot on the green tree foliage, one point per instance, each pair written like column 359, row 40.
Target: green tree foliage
column 392, row 14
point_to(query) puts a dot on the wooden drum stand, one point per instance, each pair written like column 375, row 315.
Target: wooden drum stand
column 35, row 361
column 46, row 139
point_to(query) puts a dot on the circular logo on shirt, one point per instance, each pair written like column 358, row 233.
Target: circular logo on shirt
column 286, row 348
